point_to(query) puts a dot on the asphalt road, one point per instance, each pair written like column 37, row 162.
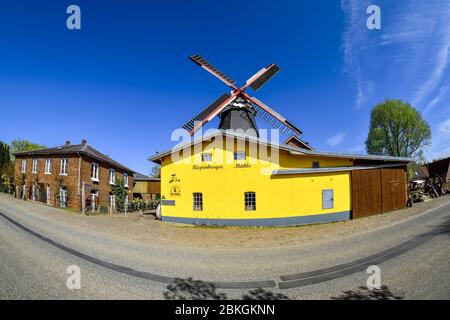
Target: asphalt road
column 35, row 252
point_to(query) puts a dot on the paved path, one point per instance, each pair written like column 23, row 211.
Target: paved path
column 413, row 255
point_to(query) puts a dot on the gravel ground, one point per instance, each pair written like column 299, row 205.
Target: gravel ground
column 147, row 229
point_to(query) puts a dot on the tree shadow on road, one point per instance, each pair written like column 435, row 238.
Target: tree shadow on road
column 363, row 293
column 189, row 289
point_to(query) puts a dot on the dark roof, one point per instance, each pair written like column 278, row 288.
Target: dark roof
column 68, row 149
column 142, row 177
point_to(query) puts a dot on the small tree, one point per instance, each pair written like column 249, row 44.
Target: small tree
column 397, row 129
column 156, row 171
column 18, row 145
column 5, row 158
column 120, row 192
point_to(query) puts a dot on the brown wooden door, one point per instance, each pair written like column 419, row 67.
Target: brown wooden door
column 366, row 193
column 393, row 189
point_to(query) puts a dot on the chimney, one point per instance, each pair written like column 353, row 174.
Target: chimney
column 83, row 142
column 67, row 143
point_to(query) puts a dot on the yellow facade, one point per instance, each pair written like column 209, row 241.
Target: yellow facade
column 280, row 199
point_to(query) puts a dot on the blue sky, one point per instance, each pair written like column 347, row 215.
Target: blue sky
column 123, row 81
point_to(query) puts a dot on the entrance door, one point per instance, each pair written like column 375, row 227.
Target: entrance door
column 33, row 192
column 63, row 198
column 94, row 197
column 112, row 202
column 48, row 195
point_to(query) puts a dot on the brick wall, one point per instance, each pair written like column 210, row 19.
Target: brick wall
column 69, row 181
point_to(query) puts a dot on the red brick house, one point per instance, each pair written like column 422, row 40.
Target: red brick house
column 70, row 175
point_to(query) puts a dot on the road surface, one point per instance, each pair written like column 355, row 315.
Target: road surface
column 35, row 252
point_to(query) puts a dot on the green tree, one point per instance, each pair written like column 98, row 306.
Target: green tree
column 5, row 158
column 397, row 129
column 120, row 192
column 19, row 145
column 156, row 171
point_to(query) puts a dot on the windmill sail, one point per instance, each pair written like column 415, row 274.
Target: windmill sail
column 264, row 75
column 205, row 113
column 210, row 68
column 273, row 118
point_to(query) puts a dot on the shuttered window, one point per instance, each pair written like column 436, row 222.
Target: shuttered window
column 327, row 199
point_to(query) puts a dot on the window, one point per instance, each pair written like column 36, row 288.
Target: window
column 197, row 198
column 316, row 164
column 34, row 166
column 48, row 166
column 64, row 165
column 327, row 199
column 125, row 179
column 250, row 201
column 206, row 157
column 94, row 172
column 239, row 155
column 112, row 176
column 24, row 166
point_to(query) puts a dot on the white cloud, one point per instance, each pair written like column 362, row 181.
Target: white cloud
column 408, row 58
column 435, row 77
column 436, row 100
column 440, row 147
column 444, row 127
column 336, row 139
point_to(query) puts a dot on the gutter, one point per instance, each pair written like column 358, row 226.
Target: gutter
column 331, row 169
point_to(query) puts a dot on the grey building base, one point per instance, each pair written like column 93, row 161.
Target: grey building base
column 290, row 221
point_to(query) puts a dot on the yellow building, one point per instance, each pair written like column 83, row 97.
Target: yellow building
column 230, row 179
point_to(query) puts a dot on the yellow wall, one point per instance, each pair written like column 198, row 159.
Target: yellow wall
column 223, row 186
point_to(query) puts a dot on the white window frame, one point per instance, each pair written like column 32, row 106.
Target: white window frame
column 48, row 166
column 64, row 166
column 112, row 176
column 125, row 180
column 95, row 168
column 34, row 166
column 24, row 165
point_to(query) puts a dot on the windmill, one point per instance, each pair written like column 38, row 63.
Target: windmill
column 237, row 110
